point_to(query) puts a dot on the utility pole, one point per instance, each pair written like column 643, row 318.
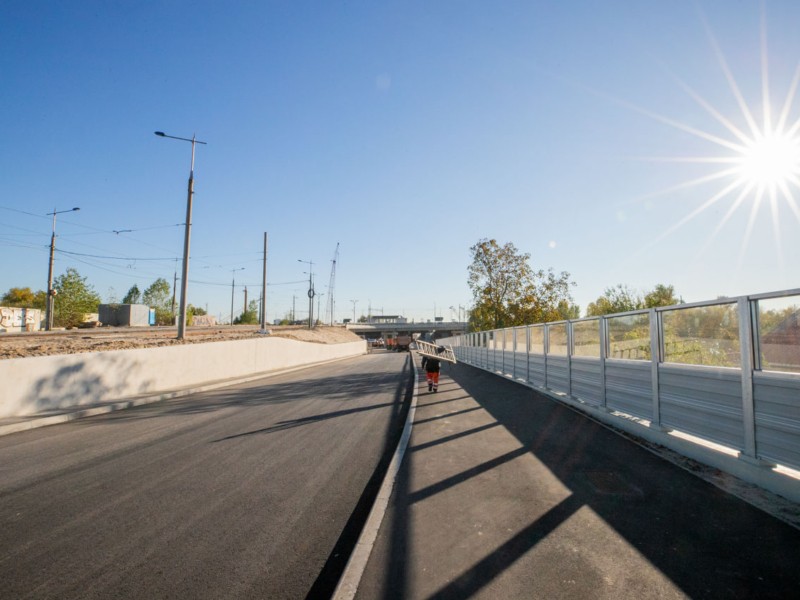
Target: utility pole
column 233, row 287
column 48, row 319
column 332, row 284
column 186, row 235
column 263, row 315
column 311, row 292
column 245, row 300
column 174, row 285
column 354, row 309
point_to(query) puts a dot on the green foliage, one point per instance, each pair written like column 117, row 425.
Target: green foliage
column 133, row 296
column 706, row 335
column 661, row 295
column 158, row 296
column 74, row 299
column 617, row 299
column 621, row 298
column 567, row 311
column 195, row 310
column 248, row 317
column 24, row 298
column 768, row 320
column 507, row 291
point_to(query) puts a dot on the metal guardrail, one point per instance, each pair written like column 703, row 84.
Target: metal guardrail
column 726, row 370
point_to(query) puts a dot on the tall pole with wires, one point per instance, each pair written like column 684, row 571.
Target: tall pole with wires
column 311, row 293
column 332, row 285
column 187, row 234
column 233, row 287
column 264, row 290
column 48, row 319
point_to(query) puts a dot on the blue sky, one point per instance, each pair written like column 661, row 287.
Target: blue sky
column 403, row 131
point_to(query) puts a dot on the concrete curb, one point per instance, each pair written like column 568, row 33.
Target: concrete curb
column 35, row 422
column 351, row 578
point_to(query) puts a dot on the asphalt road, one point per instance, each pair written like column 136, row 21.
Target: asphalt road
column 252, row 491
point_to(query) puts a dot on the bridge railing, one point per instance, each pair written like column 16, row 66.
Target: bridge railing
column 726, row 371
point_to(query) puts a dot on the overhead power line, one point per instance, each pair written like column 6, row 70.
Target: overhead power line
column 126, row 258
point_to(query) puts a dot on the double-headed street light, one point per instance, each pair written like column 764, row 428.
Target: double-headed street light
column 48, row 319
column 187, row 234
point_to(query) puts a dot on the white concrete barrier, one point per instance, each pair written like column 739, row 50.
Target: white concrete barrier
column 46, row 383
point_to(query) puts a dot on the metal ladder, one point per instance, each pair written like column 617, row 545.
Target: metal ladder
column 435, row 351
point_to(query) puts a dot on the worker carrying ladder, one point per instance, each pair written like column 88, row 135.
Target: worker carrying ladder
column 434, row 351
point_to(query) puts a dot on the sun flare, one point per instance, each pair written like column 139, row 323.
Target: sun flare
column 760, row 161
column 773, row 160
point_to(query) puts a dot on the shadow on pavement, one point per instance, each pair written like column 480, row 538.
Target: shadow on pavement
column 708, row 543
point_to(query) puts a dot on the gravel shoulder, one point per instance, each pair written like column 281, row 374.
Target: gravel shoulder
column 22, row 345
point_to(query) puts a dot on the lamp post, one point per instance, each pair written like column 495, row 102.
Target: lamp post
column 187, row 234
column 311, row 293
column 233, row 285
column 319, row 305
column 354, row 309
column 48, row 319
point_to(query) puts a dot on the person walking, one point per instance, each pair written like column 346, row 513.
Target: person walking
column 432, row 367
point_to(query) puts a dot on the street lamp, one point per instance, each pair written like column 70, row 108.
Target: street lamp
column 233, row 285
column 319, row 304
column 354, row 309
column 311, row 293
column 187, row 234
column 48, row 319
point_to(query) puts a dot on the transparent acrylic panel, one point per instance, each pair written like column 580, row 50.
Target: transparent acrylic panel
column 703, row 335
column 586, row 338
column 779, row 334
column 629, row 337
column 506, row 339
column 537, row 340
column 519, row 340
column 558, row 339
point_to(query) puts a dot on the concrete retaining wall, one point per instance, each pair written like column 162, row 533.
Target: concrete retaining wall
column 43, row 383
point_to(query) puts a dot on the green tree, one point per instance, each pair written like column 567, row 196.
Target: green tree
column 250, row 316
column 24, row 298
column 617, row 299
column 621, row 298
column 195, row 310
column 567, row 310
column 74, row 299
column 133, row 296
column 661, row 295
column 158, row 296
column 507, row 291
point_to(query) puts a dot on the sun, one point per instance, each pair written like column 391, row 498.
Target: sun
column 772, row 160
column 759, row 163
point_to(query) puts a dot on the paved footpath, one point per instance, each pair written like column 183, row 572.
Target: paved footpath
column 505, row 493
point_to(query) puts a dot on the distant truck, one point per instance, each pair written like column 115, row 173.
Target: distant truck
column 402, row 342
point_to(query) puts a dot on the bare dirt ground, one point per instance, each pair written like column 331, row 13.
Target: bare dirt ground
column 21, row 345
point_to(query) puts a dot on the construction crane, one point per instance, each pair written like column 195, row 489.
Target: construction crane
column 331, row 308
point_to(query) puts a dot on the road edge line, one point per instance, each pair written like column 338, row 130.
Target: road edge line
column 351, row 578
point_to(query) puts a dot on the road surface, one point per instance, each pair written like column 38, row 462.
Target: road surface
column 242, row 492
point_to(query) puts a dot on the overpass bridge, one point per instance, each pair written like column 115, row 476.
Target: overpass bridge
column 390, row 328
